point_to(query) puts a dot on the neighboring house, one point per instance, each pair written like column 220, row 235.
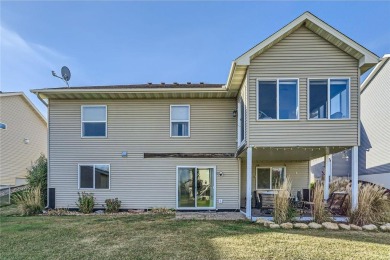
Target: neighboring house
column 210, row 146
column 374, row 149
column 23, row 137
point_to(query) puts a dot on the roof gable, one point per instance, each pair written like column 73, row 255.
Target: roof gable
column 28, row 102
column 366, row 58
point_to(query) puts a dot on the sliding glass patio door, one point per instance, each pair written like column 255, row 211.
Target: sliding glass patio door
column 196, row 187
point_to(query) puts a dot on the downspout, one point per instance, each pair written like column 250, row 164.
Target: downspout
column 48, row 152
column 43, row 101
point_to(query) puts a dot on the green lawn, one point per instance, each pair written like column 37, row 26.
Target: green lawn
column 162, row 237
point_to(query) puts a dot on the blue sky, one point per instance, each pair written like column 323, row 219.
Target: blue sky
column 107, row 43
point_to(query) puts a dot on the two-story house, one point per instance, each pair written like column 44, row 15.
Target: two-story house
column 292, row 98
column 23, row 137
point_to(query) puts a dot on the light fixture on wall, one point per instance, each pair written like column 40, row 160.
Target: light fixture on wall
column 26, row 141
column 235, row 113
column 220, row 174
column 124, row 154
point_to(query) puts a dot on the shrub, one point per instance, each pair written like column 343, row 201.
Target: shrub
column 320, row 214
column 112, row 205
column 37, row 176
column 373, row 205
column 283, row 211
column 29, row 202
column 86, row 202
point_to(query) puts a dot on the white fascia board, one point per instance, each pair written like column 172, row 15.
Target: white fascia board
column 28, row 101
column 374, row 72
column 246, row 57
column 124, row 90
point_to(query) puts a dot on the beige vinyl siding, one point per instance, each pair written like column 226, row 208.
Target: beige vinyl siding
column 22, row 122
column 141, row 183
column 297, row 171
column 140, row 126
column 375, row 118
column 144, row 125
column 303, row 54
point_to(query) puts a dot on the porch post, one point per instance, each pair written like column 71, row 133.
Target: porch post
column 355, row 173
column 328, row 168
column 249, row 183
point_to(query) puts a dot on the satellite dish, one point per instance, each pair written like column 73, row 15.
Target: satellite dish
column 65, row 72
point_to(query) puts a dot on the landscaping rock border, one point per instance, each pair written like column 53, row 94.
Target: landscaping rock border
column 326, row 225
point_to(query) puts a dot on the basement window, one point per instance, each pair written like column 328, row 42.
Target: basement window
column 94, row 176
column 269, row 178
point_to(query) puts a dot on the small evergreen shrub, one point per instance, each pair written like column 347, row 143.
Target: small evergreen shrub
column 86, row 202
column 112, row 205
column 29, row 202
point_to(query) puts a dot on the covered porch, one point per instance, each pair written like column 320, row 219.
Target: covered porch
column 262, row 168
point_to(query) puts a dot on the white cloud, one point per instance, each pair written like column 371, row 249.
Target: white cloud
column 26, row 65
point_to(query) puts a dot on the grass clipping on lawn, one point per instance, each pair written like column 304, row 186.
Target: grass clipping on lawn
column 282, row 202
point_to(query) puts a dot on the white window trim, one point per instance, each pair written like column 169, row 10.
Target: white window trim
column 328, row 99
column 94, row 165
column 82, row 121
column 277, row 99
column 239, row 115
column 180, row 121
column 214, row 188
column 270, row 172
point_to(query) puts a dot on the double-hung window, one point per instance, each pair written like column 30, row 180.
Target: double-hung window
column 269, row 178
column 329, row 98
column 278, row 99
column 94, row 121
column 241, row 122
column 94, row 176
column 180, row 120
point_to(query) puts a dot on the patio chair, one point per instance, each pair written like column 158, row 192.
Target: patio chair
column 306, row 195
column 267, row 202
column 257, row 199
column 304, row 202
column 335, row 203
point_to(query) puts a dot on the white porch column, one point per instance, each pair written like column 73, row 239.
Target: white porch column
column 328, row 169
column 249, row 183
column 354, row 175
